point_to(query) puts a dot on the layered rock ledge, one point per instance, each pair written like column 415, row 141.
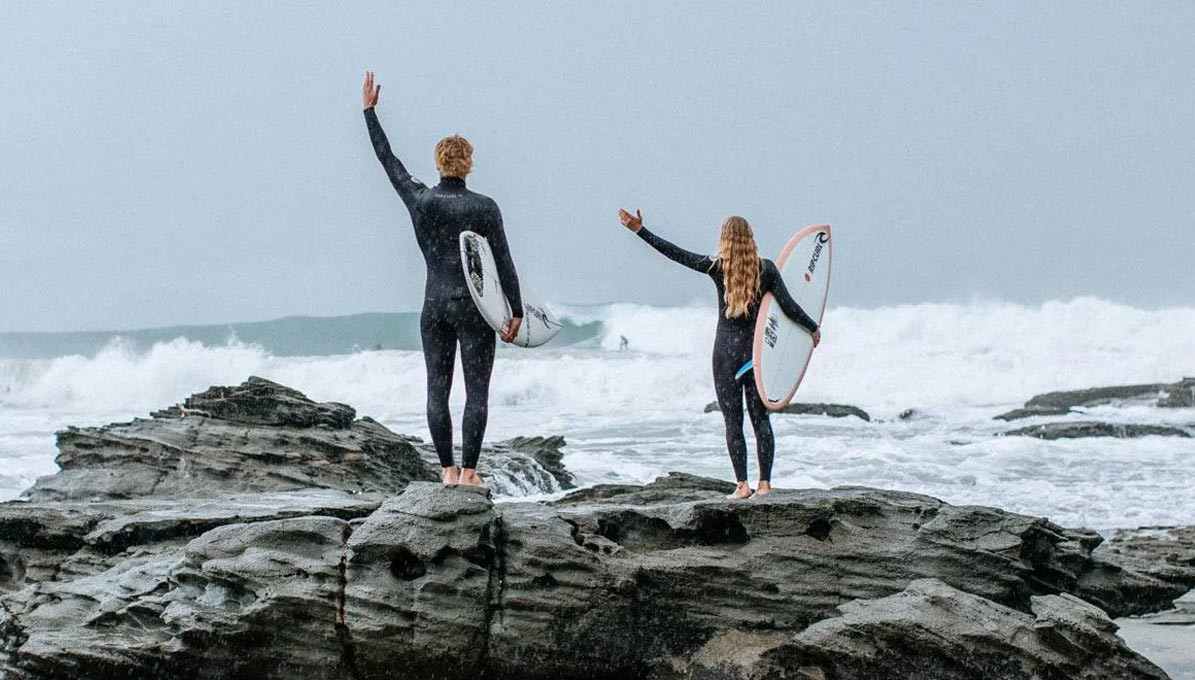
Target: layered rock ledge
column 232, row 552
column 812, row 409
column 1084, row 429
column 1164, row 395
column 668, row 580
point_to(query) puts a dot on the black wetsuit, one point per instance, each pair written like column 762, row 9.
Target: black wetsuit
column 733, row 345
column 439, row 214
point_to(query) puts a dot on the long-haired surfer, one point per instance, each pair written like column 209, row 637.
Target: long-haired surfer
column 742, row 278
column 439, row 214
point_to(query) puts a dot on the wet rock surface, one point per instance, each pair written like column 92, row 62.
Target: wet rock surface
column 261, row 436
column 930, row 630
column 1160, row 559
column 1166, row 395
column 813, row 409
column 666, row 580
column 219, row 539
column 1082, row 429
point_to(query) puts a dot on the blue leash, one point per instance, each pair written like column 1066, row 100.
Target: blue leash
column 746, row 367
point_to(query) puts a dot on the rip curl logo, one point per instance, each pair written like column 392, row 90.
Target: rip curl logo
column 538, row 313
column 822, row 239
column 771, row 331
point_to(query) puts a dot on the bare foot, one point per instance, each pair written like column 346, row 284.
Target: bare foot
column 763, row 488
column 741, row 491
column 449, row 477
column 469, row 477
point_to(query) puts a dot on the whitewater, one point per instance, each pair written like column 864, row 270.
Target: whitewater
column 631, row 415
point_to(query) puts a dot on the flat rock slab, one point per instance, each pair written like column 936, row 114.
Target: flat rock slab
column 667, row 580
column 1083, row 429
column 1165, row 395
column 262, row 437
column 831, row 410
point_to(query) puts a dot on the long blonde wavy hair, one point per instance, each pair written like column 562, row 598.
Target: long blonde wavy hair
column 740, row 265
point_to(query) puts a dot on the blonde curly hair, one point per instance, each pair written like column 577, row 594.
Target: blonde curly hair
column 740, row 263
column 454, row 157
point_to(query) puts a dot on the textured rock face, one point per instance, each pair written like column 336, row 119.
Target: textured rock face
column 832, row 410
column 1081, row 429
column 931, row 631
column 226, row 539
column 667, row 580
column 1161, row 562
column 258, row 401
column 1177, row 394
column 228, row 440
column 264, row 437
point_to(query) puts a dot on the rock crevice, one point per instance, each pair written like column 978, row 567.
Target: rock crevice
column 299, row 558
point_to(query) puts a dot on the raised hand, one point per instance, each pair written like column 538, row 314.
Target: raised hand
column 632, row 222
column 370, row 92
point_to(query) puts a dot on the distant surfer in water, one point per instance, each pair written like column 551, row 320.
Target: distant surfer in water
column 439, row 214
column 742, row 278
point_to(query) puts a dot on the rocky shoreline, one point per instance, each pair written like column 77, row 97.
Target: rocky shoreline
column 253, row 533
column 1163, row 395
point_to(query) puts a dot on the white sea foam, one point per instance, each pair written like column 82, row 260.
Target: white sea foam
column 629, row 415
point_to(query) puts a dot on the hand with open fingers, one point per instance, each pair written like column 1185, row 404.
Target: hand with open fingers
column 369, row 91
column 817, row 337
column 512, row 329
column 632, row 222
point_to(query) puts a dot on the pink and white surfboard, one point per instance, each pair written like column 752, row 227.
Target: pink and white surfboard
column 782, row 348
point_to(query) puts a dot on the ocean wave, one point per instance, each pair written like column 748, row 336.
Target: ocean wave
column 929, row 355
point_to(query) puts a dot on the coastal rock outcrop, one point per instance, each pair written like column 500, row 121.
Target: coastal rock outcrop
column 262, row 437
column 929, row 631
column 224, row 539
column 667, row 580
column 1166, row 395
column 1085, row 428
column 813, row 409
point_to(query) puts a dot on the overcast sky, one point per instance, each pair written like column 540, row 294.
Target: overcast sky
column 165, row 163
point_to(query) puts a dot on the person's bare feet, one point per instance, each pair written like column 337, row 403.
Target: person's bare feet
column 469, row 477
column 763, row 488
column 741, row 491
column 449, row 476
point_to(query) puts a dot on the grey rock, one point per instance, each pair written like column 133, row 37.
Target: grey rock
column 1160, row 562
column 813, row 409
column 931, row 631
column 546, row 452
column 186, row 453
column 102, row 566
column 262, row 437
column 1177, row 394
column 1018, row 413
column 1082, row 429
column 257, row 402
column 634, row 581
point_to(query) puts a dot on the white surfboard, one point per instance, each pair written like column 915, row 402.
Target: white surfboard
column 481, row 277
column 782, row 348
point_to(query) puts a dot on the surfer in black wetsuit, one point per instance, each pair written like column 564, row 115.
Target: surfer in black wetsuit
column 439, row 214
column 742, row 278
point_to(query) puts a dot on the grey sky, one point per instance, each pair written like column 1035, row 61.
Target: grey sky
column 207, row 162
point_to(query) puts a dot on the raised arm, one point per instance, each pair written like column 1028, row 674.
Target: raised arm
column 775, row 285
column 408, row 187
column 699, row 263
column 507, row 275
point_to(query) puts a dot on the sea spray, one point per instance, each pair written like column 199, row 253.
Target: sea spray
column 634, row 413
